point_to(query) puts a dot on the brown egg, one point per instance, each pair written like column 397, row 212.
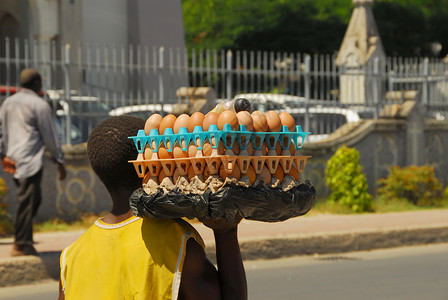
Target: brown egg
column 250, row 149
column 210, row 119
column 273, row 120
column 162, row 175
column 294, row 173
column 178, row 152
column 287, row 120
column 235, row 173
column 251, row 174
column 257, row 112
column 260, row 122
column 153, row 122
column 163, row 153
column 278, row 149
column 279, row 174
column 207, row 173
column 176, row 175
column 221, row 148
column 264, row 149
column 228, row 117
column 265, row 175
column 198, row 142
column 167, row 122
column 147, row 154
column 191, row 173
column 235, row 148
column 147, row 178
column 244, row 118
column 192, row 150
column 207, row 148
column 270, row 142
column 182, row 121
column 196, row 119
column 292, row 148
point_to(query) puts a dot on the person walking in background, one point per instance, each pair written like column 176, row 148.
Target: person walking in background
column 122, row 256
column 27, row 127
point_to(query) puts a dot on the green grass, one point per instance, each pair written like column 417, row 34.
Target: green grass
column 322, row 207
column 84, row 222
column 398, row 205
column 380, row 206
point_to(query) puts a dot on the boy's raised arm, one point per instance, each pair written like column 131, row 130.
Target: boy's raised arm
column 201, row 280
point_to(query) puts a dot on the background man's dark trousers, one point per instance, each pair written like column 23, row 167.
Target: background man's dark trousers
column 29, row 198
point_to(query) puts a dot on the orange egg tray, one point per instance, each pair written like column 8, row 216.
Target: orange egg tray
column 155, row 164
column 213, row 162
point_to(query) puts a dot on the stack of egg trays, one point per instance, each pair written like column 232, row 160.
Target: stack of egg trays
column 229, row 137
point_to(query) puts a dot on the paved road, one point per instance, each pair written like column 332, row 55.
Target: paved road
column 39, row 291
column 418, row 272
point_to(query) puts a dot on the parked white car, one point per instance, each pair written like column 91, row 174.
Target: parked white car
column 267, row 101
column 322, row 120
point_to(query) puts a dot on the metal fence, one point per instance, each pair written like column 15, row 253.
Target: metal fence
column 84, row 82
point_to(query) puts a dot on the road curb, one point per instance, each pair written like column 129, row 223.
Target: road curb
column 337, row 243
column 29, row 269
column 22, row 270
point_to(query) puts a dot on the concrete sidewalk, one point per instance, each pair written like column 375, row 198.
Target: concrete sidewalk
column 309, row 234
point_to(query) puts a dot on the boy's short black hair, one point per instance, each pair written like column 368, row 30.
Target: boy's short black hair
column 109, row 149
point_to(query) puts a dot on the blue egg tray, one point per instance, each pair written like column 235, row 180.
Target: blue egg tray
column 227, row 135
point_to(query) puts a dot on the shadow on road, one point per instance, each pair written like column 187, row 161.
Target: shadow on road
column 51, row 262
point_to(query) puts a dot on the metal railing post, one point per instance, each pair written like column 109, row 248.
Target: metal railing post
column 229, row 75
column 161, row 87
column 307, row 87
column 7, row 65
column 376, row 85
column 425, row 82
column 67, row 87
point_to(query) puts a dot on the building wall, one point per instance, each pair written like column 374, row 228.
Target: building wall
column 156, row 23
column 104, row 22
column 46, row 18
column 70, row 22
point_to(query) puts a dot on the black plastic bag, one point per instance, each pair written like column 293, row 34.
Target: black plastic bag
column 259, row 203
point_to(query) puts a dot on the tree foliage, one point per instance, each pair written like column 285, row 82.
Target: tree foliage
column 407, row 27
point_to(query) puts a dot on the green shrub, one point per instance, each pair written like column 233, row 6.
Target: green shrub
column 416, row 184
column 6, row 225
column 3, row 205
column 348, row 184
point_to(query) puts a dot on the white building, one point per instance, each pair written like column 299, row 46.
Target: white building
column 152, row 23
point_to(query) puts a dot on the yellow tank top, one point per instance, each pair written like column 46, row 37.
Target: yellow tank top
column 134, row 259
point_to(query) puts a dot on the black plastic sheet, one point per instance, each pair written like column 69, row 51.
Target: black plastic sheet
column 259, row 203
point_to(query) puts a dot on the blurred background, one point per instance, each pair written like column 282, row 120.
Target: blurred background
column 327, row 62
